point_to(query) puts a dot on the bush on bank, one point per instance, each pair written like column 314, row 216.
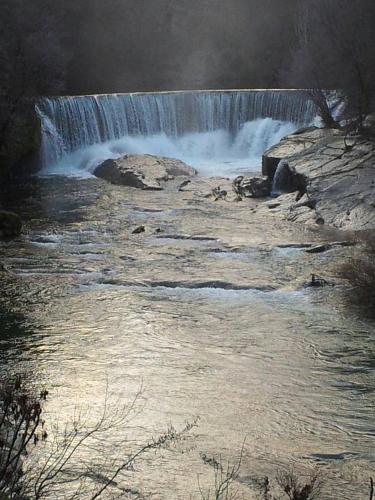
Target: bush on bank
column 359, row 272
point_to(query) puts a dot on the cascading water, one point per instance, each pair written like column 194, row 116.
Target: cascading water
column 283, row 179
column 217, row 132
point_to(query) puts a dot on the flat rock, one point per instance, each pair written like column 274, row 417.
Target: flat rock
column 143, row 171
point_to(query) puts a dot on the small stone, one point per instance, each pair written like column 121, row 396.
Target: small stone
column 184, row 184
column 317, row 282
column 139, row 229
column 272, row 206
column 318, row 248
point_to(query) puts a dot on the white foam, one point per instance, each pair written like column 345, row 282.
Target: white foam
column 211, row 153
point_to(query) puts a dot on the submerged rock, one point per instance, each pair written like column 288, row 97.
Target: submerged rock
column 10, row 224
column 317, row 282
column 142, row 171
column 139, row 230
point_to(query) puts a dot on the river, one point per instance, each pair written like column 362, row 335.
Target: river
column 202, row 315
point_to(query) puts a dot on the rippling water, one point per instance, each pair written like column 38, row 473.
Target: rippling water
column 206, row 310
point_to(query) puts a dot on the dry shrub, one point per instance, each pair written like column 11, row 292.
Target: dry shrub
column 21, row 427
column 293, row 487
column 55, row 471
column 359, row 272
column 295, row 490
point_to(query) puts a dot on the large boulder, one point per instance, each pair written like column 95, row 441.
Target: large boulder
column 252, row 187
column 143, row 171
column 10, row 224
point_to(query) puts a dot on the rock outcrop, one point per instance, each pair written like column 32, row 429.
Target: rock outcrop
column 143, row 171
column 338, row 174
column 10, row 224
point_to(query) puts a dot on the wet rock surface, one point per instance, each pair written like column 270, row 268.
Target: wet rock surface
column 143, row 171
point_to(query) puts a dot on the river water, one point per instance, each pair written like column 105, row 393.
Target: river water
column 202, row 315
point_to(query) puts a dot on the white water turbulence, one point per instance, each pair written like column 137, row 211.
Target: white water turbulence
column 219, row 133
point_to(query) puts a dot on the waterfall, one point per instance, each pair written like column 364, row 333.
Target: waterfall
column 197, row 126
column 287, row 180
column 281, row 179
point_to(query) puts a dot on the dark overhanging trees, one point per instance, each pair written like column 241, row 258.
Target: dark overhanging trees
column 336, row 49
column 151, row 45
column 32, row 63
